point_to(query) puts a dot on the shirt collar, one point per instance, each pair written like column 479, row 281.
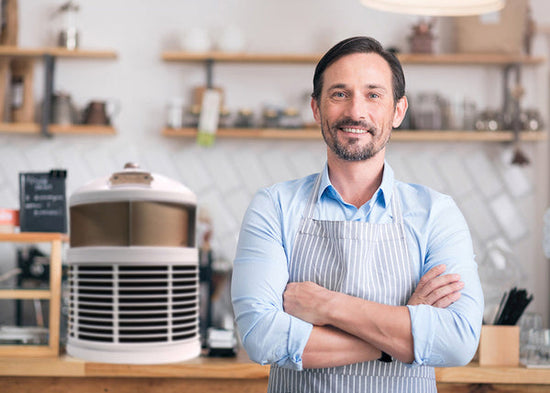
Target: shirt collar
column 383, row 193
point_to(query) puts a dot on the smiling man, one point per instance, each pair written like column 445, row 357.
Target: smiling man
column 350, row 280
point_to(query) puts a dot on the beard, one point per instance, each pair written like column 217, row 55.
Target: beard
column 349, row 148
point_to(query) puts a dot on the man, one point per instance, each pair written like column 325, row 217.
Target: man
column 339, row 281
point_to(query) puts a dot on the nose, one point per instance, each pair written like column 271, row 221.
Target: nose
column 357, row 108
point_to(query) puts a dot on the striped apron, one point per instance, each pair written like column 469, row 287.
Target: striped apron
column 365, row 260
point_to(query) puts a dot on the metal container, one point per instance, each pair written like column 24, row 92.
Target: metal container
column 133, row 270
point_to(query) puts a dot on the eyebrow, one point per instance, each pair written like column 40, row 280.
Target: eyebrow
column 343, row 86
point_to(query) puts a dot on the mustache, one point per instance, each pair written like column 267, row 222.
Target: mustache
column 348, row 122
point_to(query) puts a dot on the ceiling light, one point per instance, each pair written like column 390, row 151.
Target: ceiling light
column 436, row 7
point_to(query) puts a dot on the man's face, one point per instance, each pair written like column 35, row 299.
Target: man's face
column 356, row 110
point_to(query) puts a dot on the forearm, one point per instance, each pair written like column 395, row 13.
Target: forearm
column 447, row 337
column 331, row 347
column 387, row 328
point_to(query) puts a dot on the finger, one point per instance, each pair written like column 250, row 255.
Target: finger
column 439, row 282
column 444, row 291
column 435, row 289
column 447, row 300
column 431, row 274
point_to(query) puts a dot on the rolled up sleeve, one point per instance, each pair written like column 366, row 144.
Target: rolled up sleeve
column 449, row 337
column 260, row 275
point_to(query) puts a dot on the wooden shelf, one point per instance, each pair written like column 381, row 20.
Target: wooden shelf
column 82, row 53
column 240, row 57
column 469, row 59
column 397, row 135
column 466, row 136
column 15, row 51
column 77, row 129
column 50, row 55
column 253, row 133
column 20, row 128
column 82, row 129
column 426, row 59
column 53, row 294
column 36, row 237
column 25, row 294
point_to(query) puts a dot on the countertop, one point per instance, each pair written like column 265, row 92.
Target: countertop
column 238, row 368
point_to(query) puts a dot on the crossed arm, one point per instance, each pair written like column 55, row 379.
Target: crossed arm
column 350, row 330
column 313, row 327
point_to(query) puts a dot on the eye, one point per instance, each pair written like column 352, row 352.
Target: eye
column 374, row 95
column 338, row 94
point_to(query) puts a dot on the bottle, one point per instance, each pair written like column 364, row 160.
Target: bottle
column 16, row 92
column 17, row 97
column 175, row 113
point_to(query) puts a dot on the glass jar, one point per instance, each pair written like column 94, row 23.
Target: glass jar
column 428, row 112
column 271, row 118
column 533, row 120
column 224, row 118
column 290, row 118
column 192, row 116
column 244, row 118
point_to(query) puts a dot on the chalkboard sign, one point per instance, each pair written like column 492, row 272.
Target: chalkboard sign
column 43, row 205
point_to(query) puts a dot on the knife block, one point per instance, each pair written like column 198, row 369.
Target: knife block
column 499, row 346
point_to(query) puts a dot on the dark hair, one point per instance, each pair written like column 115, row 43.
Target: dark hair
column 359, row 45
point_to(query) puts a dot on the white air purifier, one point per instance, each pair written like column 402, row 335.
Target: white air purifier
column 133, row 270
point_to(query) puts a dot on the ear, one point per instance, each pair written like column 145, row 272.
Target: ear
column 316, row 112
column 400, row 110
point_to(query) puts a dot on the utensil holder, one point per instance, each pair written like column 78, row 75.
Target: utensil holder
column 499, row 345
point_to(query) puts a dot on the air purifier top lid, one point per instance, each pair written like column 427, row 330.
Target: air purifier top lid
column 131, row 184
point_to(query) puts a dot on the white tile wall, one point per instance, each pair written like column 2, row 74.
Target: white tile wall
column 494, row 197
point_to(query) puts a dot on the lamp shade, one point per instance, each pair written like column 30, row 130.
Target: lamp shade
column 436, row 7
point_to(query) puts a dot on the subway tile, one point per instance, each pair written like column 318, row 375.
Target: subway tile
column 516, row 179
column 237, row 202
column 222, row 219
column 99, row 163
column 451, row 167
column 424, row 167
column 192, row 171
column 480, row 220
column 160, row 162
column 276, row 166
column 508, row 217
column 249, row 169
column 220, row 169
column 484, row 174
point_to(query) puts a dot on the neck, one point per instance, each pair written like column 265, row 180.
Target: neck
column 356, row 181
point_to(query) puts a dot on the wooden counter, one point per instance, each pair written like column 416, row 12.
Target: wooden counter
column 66, row 374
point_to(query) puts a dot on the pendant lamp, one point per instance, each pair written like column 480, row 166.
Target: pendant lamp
column 436, row 7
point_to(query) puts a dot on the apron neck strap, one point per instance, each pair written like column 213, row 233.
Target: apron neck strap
column 396, row 206
column 395, row 201
column 312, row 197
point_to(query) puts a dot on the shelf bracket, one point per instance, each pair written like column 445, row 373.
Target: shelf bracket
column 209, row 73
column 49, row 63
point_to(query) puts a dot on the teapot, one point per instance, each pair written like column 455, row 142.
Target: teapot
column 63, row 110
column 100, row 112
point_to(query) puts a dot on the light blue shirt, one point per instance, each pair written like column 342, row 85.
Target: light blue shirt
column 436, row 233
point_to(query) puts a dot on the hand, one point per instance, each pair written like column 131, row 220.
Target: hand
column 436, row 289
column 307, row 301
